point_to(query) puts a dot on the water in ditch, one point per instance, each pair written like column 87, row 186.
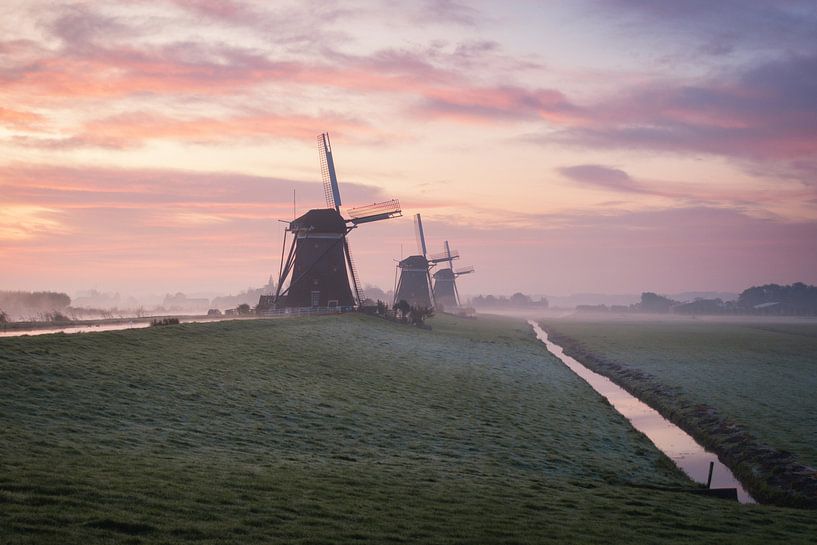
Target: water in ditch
column 682, row 449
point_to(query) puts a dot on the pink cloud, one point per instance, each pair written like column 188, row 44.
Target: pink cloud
column 134, row 129
column 116, row 64
column 19, row 119
column 232, row 193
column 497, row 103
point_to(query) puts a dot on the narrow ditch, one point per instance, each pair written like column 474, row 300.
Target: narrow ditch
column 692, row 458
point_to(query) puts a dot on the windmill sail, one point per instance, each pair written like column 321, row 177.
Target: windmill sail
column 418, row 232
column 375, row 212
column 330, row 179
column 353, row 272
column 448, row 255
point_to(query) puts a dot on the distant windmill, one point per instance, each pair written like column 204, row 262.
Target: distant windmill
column 414, row 284
column 445, row 280
column 319, row 264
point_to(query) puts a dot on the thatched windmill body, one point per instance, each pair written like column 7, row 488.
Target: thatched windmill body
column 319, row 267
column 445, row 280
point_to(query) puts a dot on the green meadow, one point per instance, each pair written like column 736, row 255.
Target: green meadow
column 342, row 429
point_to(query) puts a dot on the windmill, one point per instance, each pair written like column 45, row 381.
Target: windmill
column 414, row 284
column 445, row 280
column 319, row 264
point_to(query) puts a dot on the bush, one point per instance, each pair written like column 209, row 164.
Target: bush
column 164, row 321
column 418, row 315
column 403, row 308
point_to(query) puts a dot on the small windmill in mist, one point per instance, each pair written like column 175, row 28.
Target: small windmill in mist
column 446, row 294
column 414, row 283
column 319, row 266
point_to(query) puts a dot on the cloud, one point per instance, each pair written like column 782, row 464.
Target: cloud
column 602, row 176
column 26, row 221
column 176, row 191
column 120, row 60
column 19, row 119
column 220, row 10
column 496, row 104
column 766, row 112
column 718, row 28
column 446, row 12
column 134, row 129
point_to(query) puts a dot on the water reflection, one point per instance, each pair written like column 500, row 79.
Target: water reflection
column 92, row 328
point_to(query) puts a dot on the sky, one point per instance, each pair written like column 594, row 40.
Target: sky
column 562, row 147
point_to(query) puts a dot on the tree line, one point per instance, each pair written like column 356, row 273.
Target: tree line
column 796, row 299
column 26, row 304
column 517, row 300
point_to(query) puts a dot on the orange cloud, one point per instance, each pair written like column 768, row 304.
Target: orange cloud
column 18, row 119
column 26, row 221
column 133, row 129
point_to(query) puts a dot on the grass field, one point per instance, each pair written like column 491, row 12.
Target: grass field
column 761, row 376
column 333, row 430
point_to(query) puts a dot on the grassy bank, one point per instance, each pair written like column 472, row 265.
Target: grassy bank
column 340, row 429
column 744, row 389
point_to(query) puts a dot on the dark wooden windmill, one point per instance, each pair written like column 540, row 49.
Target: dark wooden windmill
column 319, row 267
column 445, row 280
column 414, row 283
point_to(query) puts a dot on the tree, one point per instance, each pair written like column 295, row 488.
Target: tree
column 373, row 292
column 519, row 300
column 381, row 308
column 243, row 309
column 4, row 318
column 798, row 298
column 652, row 302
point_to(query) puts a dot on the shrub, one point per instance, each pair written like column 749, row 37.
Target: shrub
column 164, row 321
column 418, row 315
column 403, row 308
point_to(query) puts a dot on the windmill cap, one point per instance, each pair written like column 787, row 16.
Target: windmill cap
column 325, row 220
column 445, row 274
column 414, row 261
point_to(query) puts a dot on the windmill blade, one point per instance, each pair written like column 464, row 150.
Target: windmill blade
column 375, row 212
column 450, row 259
column 448, row 255
column 330, row 179
column 418, row 232
column 353, row 271
column 464, row 270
